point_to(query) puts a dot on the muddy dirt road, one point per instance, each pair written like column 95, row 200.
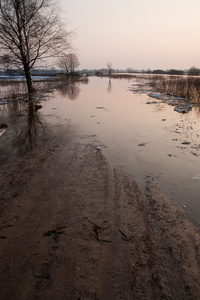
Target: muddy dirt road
column 73, row 228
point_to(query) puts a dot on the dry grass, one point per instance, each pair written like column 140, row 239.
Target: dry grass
column 186, row 87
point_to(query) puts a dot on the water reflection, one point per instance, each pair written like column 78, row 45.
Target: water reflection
column 71, row 89
column 171, row 140
column 109, row 86
column 10, row 89
column 25, row 121
column 27, row 138
column 24, row 131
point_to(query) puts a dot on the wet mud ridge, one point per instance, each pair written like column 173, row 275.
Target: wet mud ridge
column 72, row 228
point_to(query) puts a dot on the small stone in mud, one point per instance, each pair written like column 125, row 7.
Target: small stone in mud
column 164, row 120
column 142, row 145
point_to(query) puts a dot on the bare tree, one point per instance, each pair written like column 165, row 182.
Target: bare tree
column 109, row 65
column 193, row 71
column 73, row 62
column 63, row 63
column 69, row 62
column 30, row 30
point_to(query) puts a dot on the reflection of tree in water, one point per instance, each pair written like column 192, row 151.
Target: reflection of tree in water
column 109, row 86
column 71, row 90
column 28, row 136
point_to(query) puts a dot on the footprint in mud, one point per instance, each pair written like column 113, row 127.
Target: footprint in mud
column 43, row 276
column 185, row 143
column 195, row 154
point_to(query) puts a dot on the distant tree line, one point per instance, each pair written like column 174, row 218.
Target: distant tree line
column 68, row 64
column 193, row 71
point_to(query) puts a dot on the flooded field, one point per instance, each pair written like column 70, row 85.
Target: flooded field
column 142, row 135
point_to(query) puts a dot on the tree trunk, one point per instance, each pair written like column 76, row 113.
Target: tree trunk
column 29, row 81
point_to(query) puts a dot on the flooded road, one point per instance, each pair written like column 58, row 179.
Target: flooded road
column 141, row 136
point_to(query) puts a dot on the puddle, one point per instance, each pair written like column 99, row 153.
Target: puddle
column 140, row 136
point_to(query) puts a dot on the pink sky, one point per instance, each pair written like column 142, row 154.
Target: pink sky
column 139, row 34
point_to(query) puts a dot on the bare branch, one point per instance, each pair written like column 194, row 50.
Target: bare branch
column 30, row 30
column 69, row 62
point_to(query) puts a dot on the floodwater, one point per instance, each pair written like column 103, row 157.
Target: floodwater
column 143, row 136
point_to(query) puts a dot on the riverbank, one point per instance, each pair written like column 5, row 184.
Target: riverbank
column 73, row 228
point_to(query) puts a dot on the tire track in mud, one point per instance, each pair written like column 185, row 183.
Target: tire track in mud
column 176, row 246
column 160, row 254
column 134, row 260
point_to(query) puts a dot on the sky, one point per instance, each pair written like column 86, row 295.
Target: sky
column 137, row 34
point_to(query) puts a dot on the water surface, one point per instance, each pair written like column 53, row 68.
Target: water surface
column 140, row 138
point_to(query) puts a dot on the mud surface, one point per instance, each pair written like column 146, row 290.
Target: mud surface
column 73, row 228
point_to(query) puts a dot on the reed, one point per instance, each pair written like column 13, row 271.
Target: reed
column 186, row 87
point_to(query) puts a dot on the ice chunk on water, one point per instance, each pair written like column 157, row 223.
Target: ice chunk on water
column 196, row 177
column 183, row 109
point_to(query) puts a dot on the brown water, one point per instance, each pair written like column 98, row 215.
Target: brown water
column 142, row 139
